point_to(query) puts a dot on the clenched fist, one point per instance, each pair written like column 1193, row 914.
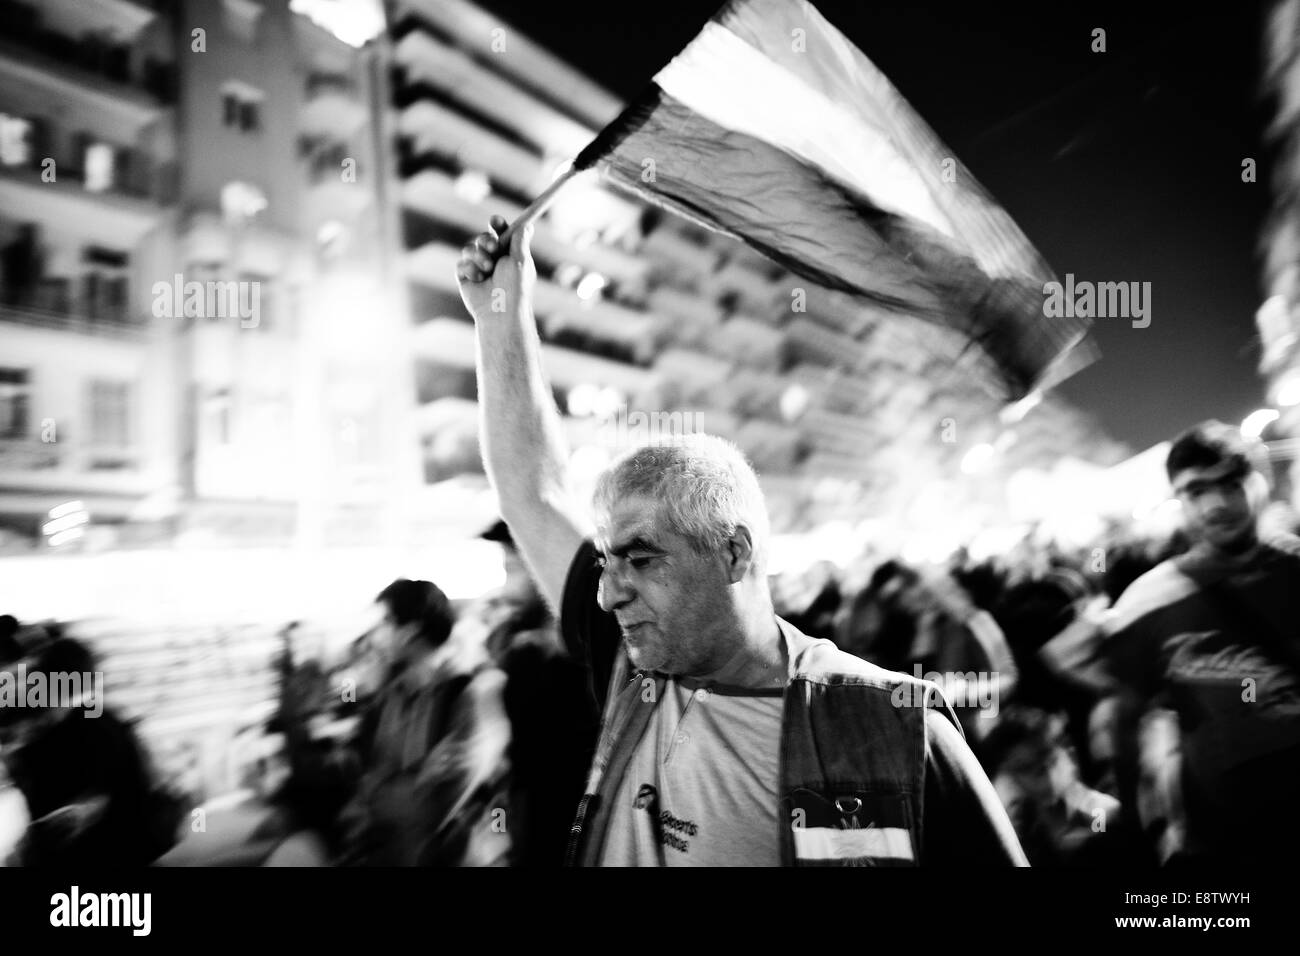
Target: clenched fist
column 491, row 282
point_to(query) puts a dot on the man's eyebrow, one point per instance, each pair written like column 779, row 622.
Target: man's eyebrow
column 637, row 543
column 1200, row 484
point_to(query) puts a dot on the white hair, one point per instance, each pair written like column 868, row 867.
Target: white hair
column 703, row 484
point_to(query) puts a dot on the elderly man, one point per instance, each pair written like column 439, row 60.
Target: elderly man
column 727, row 737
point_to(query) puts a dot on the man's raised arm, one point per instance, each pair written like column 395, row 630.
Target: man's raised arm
column 521, row 434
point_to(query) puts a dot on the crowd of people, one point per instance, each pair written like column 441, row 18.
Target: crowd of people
column 468, row 740
column 1127, row 704
column 642, row 692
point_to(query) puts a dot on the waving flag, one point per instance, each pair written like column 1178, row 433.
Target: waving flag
column 772, row 127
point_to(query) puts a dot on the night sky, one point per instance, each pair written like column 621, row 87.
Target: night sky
column 1119, row 166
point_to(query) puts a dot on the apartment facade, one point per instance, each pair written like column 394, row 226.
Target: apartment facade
column 87, row 180
column 199, row 320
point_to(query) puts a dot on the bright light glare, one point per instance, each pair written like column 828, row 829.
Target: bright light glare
column 63, row 537
column 583, row 399
column 353, row 21
column 67, row 508
column 794, row 400
column 1288, row 390
column 472, row 185
column 590, row 286
column 977, row 459
column 1254, row 424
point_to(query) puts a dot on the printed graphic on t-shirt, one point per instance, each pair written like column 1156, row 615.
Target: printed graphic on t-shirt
column 669, row 831
column 701, row 788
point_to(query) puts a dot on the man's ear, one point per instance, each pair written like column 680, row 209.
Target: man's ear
column 740, row 554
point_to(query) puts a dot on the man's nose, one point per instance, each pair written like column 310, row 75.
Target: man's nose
column 613, row 592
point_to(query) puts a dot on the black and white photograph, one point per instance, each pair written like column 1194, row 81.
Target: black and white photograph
column 536, row 434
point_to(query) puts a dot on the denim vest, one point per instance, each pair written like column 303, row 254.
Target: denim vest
column 852, row 762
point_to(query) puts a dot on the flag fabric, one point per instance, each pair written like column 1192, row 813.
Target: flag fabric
column 772, row 127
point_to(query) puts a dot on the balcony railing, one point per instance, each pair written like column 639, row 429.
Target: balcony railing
column 138, row 176
column 53, row 311
column 28, row 454
column 323, row 84
column 86, row 59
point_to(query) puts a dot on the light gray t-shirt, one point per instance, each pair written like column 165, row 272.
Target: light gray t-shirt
column 701, row 788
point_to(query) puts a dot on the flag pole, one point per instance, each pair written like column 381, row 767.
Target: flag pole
column 536, row 207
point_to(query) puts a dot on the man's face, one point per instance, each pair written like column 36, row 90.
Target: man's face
column 1218, row 505
column 669, row 599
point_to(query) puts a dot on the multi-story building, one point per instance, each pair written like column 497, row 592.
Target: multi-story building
column 87, row 178
column 298, row 423
column 201, row 318
column 238, row 148
column 846, row 412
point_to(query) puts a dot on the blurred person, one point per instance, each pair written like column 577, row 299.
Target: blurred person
column 552, row 721
column 882, row 624
column 1103, row 747
column 11, row 653
column 1210, row 636
column 515, row 607
column 10, row 649
column 1061, row 821
column 322, row 773
column 984, row 582
column 1032, row 613
column 817, row 612
column 86, row 778
column 965, row 646
column 13, row 808
column 433, row 742
column 728, row 737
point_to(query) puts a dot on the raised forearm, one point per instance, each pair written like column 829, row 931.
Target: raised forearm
column 524, row 451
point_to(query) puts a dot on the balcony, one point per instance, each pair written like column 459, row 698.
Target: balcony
column 121, row 19
column 120, row 214
column 36, row 476
column 328, row 195
column 29, row 454
column 88, row 70
column 332, row 106
column 50, row 307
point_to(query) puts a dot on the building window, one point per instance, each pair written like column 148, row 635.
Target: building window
column 241, row 202
column 99, row 160
column 241, row 18
column 15, row 140
column 110, row 415
column 241, row 107
column 106, row 297
column 230, row 109
column 105, row 285
column 217, row 412
column 15, row 401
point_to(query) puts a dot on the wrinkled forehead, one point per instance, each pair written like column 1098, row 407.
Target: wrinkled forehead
column 636, row 516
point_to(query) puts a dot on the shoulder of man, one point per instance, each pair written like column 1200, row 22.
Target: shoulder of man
column 820, row 661
column 1285, row 543
column 1158, row 588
